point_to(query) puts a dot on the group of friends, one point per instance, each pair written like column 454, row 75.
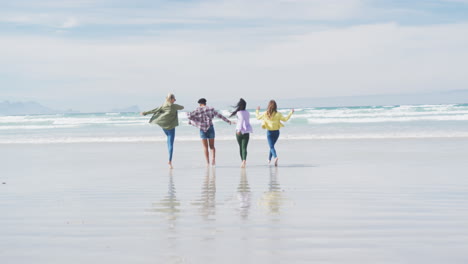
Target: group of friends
column 166, row 117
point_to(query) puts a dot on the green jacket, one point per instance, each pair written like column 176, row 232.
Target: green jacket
column 165, row 116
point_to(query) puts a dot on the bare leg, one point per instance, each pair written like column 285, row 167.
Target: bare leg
column 205, row 151
column 213, row 151
column 243, row 164
column 170, row 165
column 276, row 161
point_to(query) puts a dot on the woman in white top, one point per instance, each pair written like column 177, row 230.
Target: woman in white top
column 243, row 129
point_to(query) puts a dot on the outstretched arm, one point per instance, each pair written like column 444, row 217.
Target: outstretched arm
column 257, row 113
column 178, row 107
column 222, row 117
column 286, row 118
column 157, row 109
column 190, row 115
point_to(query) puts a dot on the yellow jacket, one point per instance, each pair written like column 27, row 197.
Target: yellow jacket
column 275, row 122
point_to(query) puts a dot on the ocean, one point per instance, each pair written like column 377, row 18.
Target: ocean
column 365, row 122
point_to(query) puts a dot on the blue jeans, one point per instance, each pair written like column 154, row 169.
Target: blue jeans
column 210, row 134
column 272, row 136
column 170, row 133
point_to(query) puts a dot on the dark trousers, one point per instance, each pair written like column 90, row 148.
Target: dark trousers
column 243, row 140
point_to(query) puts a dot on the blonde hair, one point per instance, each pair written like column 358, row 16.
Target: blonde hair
column 271, row 109
column 169, row 97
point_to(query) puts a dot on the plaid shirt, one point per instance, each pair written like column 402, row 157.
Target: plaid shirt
column 202, row 116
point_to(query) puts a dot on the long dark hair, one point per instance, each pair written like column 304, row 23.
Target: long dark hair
column 240, row 106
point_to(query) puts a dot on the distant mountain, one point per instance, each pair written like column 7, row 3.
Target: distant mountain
column 34, row 108
column 130, row 109
column 24, row 108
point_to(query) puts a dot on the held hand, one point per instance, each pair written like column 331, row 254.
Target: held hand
column 142, row 114
column 292, row 110
column 233, row 122
column 258, row 108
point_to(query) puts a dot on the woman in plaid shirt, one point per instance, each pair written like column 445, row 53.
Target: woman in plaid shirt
column 202, row 118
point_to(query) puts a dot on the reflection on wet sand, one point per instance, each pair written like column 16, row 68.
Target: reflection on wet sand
column 274, row 197
column 169, row 205
column 243, row 194
column 207, row 200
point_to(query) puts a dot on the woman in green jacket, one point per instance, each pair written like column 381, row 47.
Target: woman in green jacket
column 166, row 117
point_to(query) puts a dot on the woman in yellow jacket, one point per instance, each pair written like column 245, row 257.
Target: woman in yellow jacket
column 272, row 123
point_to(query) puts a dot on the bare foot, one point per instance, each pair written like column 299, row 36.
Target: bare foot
column 213, row 163
column 243, row 164
column 170, row 165
column 276, row 162
column 269, row 162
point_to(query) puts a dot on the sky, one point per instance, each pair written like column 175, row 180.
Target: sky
column 94, row 55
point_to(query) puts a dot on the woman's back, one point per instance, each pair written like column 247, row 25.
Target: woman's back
column 243, row 123
column 273, row 122
column 167, row 117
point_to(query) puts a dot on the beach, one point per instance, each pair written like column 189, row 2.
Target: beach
column 329, row 201
column 368, row 101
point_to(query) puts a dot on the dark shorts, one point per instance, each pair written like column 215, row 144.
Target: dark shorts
column 210, row 134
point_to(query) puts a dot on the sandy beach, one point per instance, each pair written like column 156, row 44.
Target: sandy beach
column 329, row 201
column 369, row 100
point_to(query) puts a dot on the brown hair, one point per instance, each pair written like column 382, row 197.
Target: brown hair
column 271, row 109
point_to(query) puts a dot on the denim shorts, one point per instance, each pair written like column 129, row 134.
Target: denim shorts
column 210, row 134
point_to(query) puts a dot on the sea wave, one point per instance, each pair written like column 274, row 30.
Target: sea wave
column 302, row 117
column 387, row 120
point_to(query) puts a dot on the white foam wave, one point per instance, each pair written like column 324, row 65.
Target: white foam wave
column 372, row 113
column 302, row 116
column 383, row 119
column 94, row 121
column 38, row 127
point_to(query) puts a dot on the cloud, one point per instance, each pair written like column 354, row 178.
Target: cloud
column 277, row 9
column 70, row 23
column 41, row 19
column 143, row 15
column 55, row 4
column 457, row 1
column 375, row 59
column 283, row 48
column 102, row 12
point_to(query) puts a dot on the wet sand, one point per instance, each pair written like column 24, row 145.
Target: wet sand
column 329, row 201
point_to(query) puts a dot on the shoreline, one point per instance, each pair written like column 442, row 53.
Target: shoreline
column 97, row 140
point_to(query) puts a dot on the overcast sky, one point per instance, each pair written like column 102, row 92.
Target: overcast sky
column 94, row 55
